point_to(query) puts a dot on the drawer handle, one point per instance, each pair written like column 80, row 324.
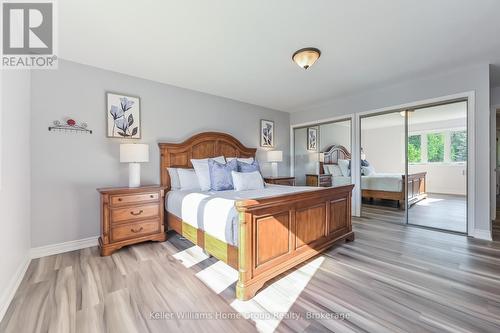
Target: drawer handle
column 120, row 199
column 151, row 196
column 138, row 213
column 136, row 230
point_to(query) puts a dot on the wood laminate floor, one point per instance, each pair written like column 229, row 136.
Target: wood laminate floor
column 392, row 278
column 440, row 211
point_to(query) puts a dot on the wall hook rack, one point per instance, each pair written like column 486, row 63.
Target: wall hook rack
column 69, row 125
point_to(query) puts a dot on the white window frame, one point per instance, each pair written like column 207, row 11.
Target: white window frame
column 447, row 146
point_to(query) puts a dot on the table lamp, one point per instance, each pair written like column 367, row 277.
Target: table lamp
column 134, row 154
column 274, row 156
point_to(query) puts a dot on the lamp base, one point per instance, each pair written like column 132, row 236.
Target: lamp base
column 134, row 174
column 274, row 169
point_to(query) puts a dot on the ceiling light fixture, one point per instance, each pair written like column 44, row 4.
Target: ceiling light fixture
column 306, row 57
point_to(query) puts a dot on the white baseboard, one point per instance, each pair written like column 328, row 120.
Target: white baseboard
column 482, row 234
column 8, row 293
column 48, row 250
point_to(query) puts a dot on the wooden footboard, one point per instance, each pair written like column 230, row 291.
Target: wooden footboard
column 278, row 233
column 275, row 233
column 416, row 187
column 416, row 191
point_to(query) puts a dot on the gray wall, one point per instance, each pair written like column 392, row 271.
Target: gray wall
column 495, row 97
column 473, row 78
column 14, row 179
column 337, row 133
column 67, row 168
column 305, row 161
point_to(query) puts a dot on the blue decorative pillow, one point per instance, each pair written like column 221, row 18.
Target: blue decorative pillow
column 220, row 175
column 364, row 163
column 248, row 167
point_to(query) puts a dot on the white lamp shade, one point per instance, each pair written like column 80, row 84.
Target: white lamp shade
column 134, row 153
column 321, row 157
column 275, row 156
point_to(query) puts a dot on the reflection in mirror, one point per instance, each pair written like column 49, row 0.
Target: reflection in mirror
column 437, row 167
column 327, row 163
column 383, row 167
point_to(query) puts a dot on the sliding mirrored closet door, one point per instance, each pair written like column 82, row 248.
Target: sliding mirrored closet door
column 383, row 167
column 437, row 166
column 322, row 153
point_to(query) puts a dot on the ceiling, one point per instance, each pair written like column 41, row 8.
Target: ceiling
column 242, row 49
column 439, row 116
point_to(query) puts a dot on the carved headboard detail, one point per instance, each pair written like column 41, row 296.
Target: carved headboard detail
column 333, row 154
column 202, row 145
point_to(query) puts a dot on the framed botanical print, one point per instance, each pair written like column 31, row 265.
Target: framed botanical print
column 267, row 133
column 312, row 138
column 123, row 116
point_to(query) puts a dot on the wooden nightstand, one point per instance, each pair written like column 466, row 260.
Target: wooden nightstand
column 319, row 180
column 290, row 181
column 130, row 216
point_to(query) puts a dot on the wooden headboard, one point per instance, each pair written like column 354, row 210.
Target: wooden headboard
column 333, row 154
column 202, row 145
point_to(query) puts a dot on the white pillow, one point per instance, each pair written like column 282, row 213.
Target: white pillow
column 332, row 169
column 201, row 168
column 188, row 179
column 326, row 169
column 248, row 160
column 175, row 183
column 243, row 181
column 344, row 167
column 367, row 170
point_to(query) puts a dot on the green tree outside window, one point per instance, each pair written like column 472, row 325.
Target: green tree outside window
column 458, row 146
column 435, row 147
column 414, row 149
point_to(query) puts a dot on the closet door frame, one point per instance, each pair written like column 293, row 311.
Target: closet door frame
column 471, row 157
column 356, row 147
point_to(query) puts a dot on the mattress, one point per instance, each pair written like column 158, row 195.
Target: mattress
column 341, row 181
column 391, row 182
column 215, row 212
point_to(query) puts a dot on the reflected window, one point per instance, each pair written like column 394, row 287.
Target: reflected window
column 415, row 149
column 435, row 147
column 458, row 143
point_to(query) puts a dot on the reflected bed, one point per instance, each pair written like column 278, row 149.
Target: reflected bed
column 389, row 186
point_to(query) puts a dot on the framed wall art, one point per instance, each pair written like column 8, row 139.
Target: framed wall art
column 312, row 138
column 123, row 116
column 267, row 133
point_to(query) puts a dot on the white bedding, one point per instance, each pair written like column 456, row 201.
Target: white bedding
column 214, row 212
column 340, row 181
column 392, row 182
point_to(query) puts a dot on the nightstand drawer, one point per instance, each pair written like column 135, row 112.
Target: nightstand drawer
column 133, row 230
column 135, row 213
column 133, row 198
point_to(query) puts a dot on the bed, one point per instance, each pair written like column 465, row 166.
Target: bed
column 260, row 234
column 389, row 186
